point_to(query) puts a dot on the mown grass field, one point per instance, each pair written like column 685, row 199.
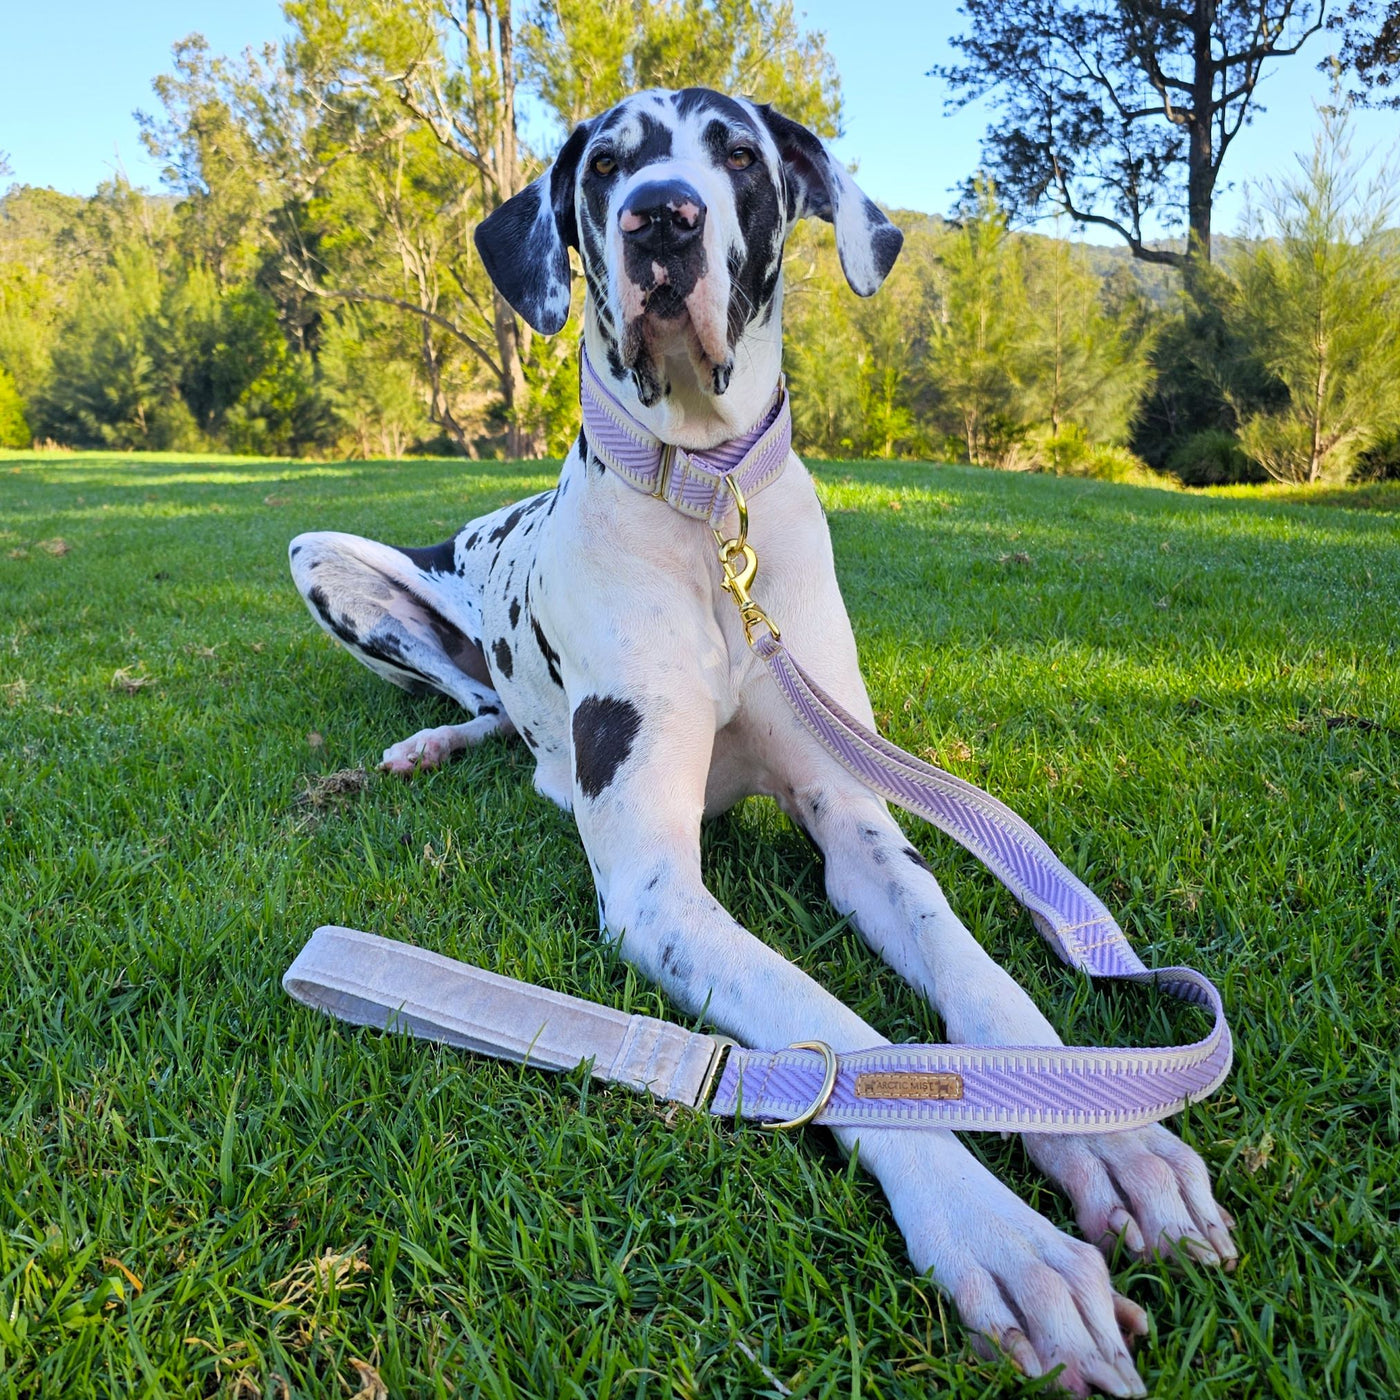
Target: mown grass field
column 1197, row 700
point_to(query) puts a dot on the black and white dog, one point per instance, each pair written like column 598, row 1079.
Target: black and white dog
column 590, row 621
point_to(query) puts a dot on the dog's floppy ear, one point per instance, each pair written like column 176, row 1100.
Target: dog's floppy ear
column 524, row 245
column 819, row 186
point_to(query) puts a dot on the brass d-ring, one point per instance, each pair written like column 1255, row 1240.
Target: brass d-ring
column 828, row 1084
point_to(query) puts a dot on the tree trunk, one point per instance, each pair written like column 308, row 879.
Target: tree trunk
column 511, row 338
column 1200, row 155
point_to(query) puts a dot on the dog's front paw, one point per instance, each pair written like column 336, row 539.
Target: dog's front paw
column 1044, row 1299
column 1143, row 1186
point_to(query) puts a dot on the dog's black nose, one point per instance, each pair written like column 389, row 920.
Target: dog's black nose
column 662, row 216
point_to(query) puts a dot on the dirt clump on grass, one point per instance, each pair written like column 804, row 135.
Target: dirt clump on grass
column 332, row 789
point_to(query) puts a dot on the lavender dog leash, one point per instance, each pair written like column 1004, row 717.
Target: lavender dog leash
column 1041, row 1088
column 375, row 981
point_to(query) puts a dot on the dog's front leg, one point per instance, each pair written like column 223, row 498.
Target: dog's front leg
column 640, row 770
column 1144, row 1185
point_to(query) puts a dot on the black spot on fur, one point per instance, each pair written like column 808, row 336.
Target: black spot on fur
column 505, row 663
column 551, row 657
column 678, row 965
column 515, row 612
column 527, row 734
column 487, row 710
column 506, row 526
column 435, row 559
column 603, row 728
column 296, row 549
column 886, row 243
column 338, row 625
column 472, row 539
column 913, row 855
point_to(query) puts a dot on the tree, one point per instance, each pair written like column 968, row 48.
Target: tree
column 581, row 56
column 1320, row 299
column 367, row 149
column 1120, row 112
column 14, row 427
column 973, row 350
column 1371, row 48
column 1084, row 363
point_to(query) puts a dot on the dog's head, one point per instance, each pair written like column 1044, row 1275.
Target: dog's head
column 679, row 204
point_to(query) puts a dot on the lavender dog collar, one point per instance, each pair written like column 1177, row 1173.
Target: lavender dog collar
column 692, row 483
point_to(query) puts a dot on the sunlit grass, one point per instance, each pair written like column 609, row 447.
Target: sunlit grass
column 1195, row 698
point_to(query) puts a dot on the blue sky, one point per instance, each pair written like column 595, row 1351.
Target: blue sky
column 74, row 73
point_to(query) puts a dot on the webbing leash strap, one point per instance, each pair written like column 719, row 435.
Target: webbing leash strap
column 1016, row 1088
column 1004, row 1087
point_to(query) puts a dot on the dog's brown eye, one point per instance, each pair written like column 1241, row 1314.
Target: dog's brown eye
column 604, row 165
column 740, row 158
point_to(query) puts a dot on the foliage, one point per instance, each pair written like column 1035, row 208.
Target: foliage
column 1381, row 460
column 1121, row 114
column 369, row 382
column 974, row 341
column 1033, row 361
column 1320, row 297
column 1212, row 457
column 14, row 427
column 1084, row 361
column 581, row 56
column 1371, row 48
column 856, row 368
column 309, row 284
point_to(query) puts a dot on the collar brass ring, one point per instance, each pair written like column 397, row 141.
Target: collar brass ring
column 823, row 1094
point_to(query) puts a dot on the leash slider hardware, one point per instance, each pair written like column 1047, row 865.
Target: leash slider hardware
column 663, row 475
column 823, row 1094
column 723, row 1045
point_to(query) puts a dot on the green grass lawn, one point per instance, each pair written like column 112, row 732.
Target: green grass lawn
column 206, row 1189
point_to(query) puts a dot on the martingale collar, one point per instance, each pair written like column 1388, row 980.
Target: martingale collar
column 693, row 483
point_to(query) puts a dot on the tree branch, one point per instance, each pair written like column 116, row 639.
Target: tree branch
column 1166, row 256
column 359, row 294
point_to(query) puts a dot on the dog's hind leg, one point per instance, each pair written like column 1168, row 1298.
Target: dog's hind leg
column 412, row 619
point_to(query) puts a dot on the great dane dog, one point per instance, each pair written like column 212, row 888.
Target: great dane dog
column 590, row 621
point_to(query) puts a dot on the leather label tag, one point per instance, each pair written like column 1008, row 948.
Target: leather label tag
column 909, row 1084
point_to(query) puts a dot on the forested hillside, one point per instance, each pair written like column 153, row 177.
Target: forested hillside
column 306, row 282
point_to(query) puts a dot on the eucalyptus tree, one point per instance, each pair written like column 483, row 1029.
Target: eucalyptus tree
column 1120, row 113
column 1370, row 51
